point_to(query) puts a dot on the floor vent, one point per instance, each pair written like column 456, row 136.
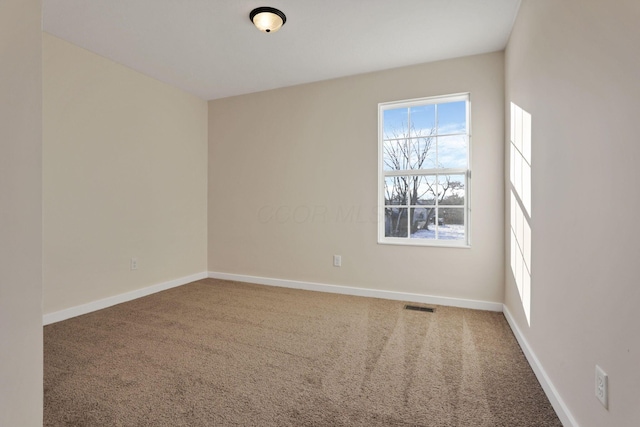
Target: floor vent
column 418, row 308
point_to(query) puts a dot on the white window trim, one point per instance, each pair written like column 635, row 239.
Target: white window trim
column 406, row 241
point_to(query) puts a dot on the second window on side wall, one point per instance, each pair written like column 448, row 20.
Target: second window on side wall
column 424, row 171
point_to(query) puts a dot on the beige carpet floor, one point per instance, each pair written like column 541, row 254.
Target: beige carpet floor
column 218, row 353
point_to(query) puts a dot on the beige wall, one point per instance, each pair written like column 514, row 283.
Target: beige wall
column 125, row 161
column 20, row 214
column 293, row 180
column 574, row 65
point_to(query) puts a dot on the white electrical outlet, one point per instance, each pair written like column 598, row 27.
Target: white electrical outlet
column 602, row 386
column 337, row 261
column 134, row 263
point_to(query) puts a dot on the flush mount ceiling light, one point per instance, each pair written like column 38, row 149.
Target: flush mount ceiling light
column 267, row 19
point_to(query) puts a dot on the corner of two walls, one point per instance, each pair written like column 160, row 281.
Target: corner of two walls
column 124, row 176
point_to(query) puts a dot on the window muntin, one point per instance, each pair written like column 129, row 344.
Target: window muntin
column 424, row 171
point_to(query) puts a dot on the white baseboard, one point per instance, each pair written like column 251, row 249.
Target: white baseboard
column 117, row 299
column 552, row 394
column 363, row 292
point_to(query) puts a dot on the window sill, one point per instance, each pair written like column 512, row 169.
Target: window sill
column 421, row 243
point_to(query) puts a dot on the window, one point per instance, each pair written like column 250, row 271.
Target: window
column 424, row 172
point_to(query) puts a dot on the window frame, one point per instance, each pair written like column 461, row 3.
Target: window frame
column 435, row 172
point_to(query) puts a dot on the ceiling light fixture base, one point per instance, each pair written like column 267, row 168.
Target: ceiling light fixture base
column 267, row 19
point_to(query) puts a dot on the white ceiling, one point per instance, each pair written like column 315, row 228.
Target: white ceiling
column 211, row 49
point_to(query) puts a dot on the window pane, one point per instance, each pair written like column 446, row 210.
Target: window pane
column 451, row 224
column 451, row 216
column 422, row 153
column 395, row 222
column 422, row 223
column 451, row 190
column 452, row 151
column 425, row 193
column 395, row 123
column 420, row 219
column 452, row 117
column 395, row 155
column 395, row 190
column 423, row 120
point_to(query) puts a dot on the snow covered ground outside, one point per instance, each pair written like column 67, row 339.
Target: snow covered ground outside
column 445, row 232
